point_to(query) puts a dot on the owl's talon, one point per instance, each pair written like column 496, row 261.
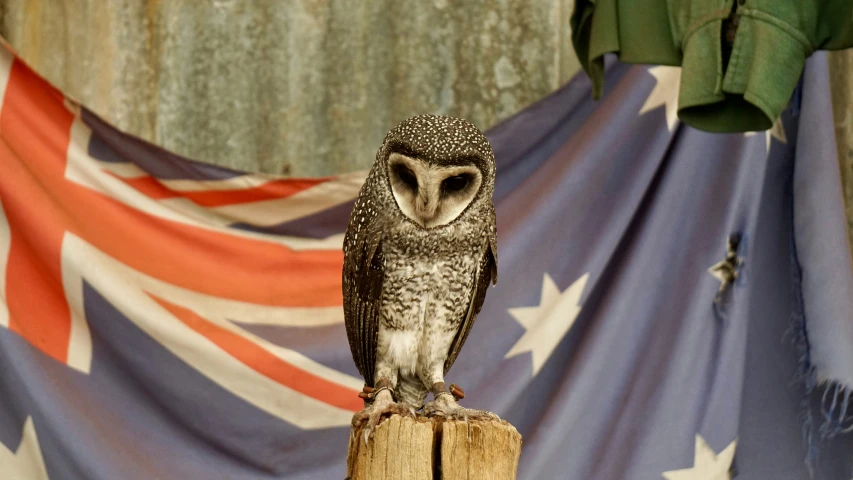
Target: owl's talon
column 464, row 414
column 448, row 408
column 373, row 414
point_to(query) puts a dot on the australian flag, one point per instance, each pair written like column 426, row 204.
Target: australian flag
column 674, row 304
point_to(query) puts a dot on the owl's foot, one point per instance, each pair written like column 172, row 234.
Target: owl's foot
column 383, row 406
column 445, row 406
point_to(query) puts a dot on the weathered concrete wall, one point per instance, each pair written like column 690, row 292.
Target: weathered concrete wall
column 305, row 87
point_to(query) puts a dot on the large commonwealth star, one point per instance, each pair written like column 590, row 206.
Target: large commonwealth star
column 707, row 465
column 665, row 93
column 27, row 461
column 545, row 325
column 776, row 131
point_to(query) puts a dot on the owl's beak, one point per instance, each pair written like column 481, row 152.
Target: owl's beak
column 425, row 208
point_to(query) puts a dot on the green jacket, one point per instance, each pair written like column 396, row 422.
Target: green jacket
column 740, row 59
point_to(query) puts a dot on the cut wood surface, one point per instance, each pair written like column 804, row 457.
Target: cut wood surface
column 404, row 448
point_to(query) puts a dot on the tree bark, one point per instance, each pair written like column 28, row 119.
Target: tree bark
column 430, row 449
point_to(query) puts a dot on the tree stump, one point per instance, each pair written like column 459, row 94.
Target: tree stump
column 404, row 448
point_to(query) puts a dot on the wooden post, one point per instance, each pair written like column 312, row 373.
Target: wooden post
column 404, row 448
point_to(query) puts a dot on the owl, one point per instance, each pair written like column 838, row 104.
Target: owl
column 420, row 252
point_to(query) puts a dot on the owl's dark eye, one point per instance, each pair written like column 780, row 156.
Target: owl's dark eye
column 406, row 176
column 455, row 183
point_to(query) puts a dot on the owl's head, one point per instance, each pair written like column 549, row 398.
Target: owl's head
column 437, row 167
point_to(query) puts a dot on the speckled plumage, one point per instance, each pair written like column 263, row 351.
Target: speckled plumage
column 412, row 293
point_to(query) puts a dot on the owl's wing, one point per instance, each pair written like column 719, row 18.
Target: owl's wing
column 485, row 273
column 363, row 275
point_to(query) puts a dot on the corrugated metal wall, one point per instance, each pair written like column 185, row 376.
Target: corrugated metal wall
column 305, row 87
column 841, row 78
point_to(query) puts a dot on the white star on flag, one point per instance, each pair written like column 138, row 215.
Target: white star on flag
column 707, row 465
column 727, row 269
column 777, row 130
column 545, row 325
column 665, row 93
column 27, row 461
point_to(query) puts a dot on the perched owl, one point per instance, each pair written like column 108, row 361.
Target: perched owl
column 419, row 254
